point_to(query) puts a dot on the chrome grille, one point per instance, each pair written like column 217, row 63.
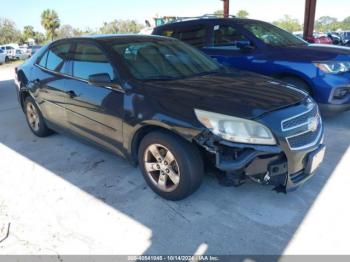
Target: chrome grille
column 299, row 120
column 305, row 139
column 309, row 126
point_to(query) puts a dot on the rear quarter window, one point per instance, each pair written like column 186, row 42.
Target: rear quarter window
column 55, row 57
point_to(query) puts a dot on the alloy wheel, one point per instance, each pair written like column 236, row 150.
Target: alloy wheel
column 161, row 167
column 33, row 116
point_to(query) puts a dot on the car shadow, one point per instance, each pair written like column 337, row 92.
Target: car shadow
column 250, row 219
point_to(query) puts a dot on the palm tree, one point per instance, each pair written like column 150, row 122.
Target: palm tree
column 50, row 21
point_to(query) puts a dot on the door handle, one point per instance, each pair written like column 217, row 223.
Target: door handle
column 71, row 94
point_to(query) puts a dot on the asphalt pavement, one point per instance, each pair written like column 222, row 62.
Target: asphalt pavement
column 59, row 196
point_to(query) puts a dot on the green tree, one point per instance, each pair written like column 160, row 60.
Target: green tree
column 109, row 28
column 242, row 14
column 88, row 31
column 120, row 27
column 39, row 38
column 28, row 32
column 346, row 20
column 129, row 26
column 8, row 32
column 288, row 23
column 51, row 22
column 345, row 24
column 326, row 23
column 219, row 13
column 65, row 31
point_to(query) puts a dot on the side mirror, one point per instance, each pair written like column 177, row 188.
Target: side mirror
column 102, row 79
column 245, row 46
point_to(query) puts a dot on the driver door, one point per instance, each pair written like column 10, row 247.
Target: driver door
column 94, row 112
column 230, row 47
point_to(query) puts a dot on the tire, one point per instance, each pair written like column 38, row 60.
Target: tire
column 35, row 119
column 298, row 83
column 7, row 59
column 185, row 165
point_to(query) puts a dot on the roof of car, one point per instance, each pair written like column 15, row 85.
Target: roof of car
column 112, row 36
column 109, row 37
column 207, row 20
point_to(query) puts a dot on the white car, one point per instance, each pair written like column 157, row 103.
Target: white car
column 21, row 54
column 2, row 57
column 9, row 51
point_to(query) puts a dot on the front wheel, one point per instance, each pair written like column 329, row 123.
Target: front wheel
column 171, row 166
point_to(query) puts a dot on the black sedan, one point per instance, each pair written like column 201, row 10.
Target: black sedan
column 165, row 106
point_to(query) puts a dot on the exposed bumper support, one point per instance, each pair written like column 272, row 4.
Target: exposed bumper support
column 248, row 154
column 263, row 164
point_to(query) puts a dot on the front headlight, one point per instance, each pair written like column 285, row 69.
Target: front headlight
column 333, row 67
column 236, row 129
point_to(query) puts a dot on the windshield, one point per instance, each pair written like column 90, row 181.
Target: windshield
column 272, row 35
column 163, row 60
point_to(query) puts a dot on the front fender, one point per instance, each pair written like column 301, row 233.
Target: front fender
column 133, row 134
column 294, row 70
column 144, row 114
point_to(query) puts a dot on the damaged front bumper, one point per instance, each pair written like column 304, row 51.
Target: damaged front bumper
column 270, row 165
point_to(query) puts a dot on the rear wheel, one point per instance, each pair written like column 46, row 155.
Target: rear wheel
column 35, row 119
column 171, row 166
column 298, row 83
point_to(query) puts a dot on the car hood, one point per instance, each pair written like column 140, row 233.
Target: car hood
column 242, row 94
column 315, row 52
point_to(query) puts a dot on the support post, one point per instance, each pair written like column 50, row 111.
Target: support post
column 226, row 8
column 309, row 18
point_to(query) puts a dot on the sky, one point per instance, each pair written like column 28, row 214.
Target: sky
column 92, row 13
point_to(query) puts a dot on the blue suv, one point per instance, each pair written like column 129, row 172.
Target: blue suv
column 320, row 70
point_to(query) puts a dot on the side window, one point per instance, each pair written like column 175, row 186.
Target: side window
column 88, row 60
column 272, row 35
column 43, row 60
column 194, row 36
column 56, row 57
column 226, row 36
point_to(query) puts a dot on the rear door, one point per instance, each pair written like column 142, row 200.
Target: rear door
column 94, row 112
column 49, row 84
